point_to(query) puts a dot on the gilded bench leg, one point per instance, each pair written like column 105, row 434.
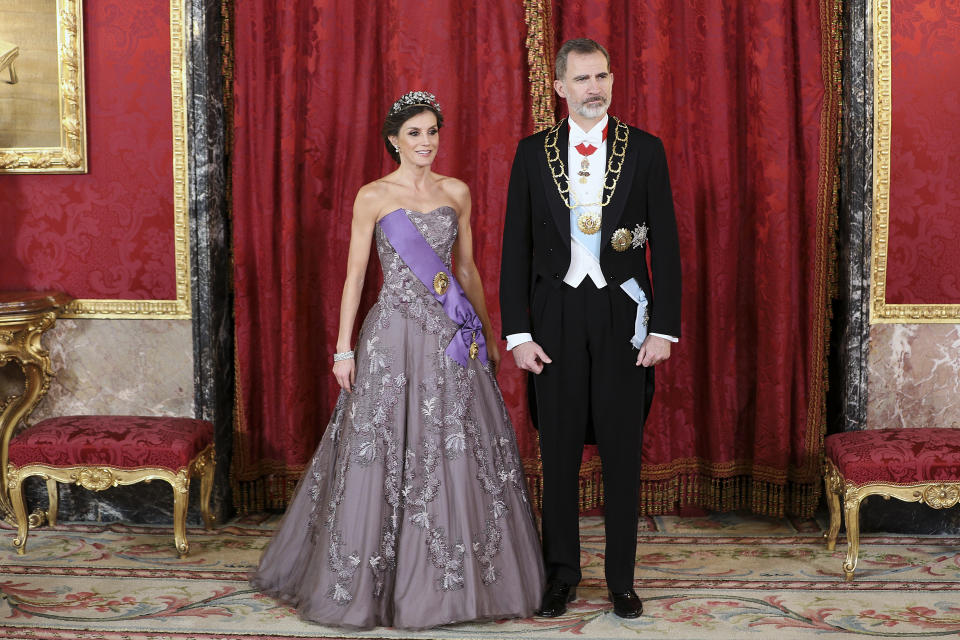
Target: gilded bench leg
column 851, row 516
column 832, row 484
column 206, row 489
column 15, row 485
column 53, row 499
column 181, row 494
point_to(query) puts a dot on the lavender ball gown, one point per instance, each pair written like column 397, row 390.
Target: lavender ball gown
column 413, row 512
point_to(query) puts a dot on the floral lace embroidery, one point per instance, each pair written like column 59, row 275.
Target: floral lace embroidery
column 344, row 567
column 486, row 549
column 450, row 564
column 368, row 441
column 317, row 475
column 386, row 559
column 362, row 432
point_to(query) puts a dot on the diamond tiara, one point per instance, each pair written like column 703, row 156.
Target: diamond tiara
column 415, row 98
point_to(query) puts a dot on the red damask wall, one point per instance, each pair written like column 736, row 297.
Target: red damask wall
column 109, row 233
column 923, row 259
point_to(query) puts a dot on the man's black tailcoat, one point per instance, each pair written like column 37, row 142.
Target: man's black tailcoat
column 593, row 379
column 536, row 235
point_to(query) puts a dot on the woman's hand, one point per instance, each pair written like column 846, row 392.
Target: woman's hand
column 493, row 355
column 345, row 372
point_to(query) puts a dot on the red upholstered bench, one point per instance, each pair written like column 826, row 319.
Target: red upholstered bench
column 98, row 452
column 913, row 465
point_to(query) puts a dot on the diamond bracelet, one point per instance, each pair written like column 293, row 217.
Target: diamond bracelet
column 346, row 355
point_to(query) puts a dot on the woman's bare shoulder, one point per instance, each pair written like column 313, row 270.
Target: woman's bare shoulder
column 457, row 190
column 373, row 190
column 373, row 197
column 453, row 186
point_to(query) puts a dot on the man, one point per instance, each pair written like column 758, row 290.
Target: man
column 585, row 198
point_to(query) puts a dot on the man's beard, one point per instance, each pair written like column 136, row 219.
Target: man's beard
column 592, row 110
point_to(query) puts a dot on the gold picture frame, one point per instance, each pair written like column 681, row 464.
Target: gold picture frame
column 181, row 307
column 43, row 125
column 880, row 310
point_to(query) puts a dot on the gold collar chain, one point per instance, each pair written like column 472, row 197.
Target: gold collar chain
column 621, row 133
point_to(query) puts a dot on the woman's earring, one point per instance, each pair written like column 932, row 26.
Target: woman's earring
column 396, row 148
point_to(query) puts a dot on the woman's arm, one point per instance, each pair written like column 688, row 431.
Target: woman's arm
column 466, row 271
column 361, row 232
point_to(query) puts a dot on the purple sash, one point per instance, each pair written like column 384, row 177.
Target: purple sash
column 424, row 262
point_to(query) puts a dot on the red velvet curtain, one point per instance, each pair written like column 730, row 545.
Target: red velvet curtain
column 312, row 82
column 744, row 96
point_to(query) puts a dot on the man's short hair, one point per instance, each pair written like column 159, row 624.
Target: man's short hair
column 581, row 46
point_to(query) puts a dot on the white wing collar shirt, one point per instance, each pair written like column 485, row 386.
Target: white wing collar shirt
column 585, row 177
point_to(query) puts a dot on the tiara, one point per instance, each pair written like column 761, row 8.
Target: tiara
column 413, row 99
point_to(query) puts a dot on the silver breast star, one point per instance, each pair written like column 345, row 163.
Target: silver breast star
column 639, row 235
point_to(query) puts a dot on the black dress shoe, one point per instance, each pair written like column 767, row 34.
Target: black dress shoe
column 626, row 604
column 555, row 599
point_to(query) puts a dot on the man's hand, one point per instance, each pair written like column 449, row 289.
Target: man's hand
column 530, row 357
column 654, row 350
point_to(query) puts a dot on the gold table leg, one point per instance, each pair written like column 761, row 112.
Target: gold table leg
column 22, row 347
column 24, row 318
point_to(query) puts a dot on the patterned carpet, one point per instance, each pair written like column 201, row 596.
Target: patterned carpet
column 721, row 576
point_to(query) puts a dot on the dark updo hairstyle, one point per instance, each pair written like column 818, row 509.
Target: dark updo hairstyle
column 407, row 106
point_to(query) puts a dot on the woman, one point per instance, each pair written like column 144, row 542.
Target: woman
column 413, row 512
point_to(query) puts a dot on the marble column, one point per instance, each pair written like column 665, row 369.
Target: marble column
column 847, row 399
column 210, row 237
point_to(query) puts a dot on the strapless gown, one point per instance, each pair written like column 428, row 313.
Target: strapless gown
column 413, row 511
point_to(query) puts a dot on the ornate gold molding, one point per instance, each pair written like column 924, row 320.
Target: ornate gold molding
column 880, row 310
column 180, row 308
column 71, row 155
column 134, row 309
column 95, row 478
